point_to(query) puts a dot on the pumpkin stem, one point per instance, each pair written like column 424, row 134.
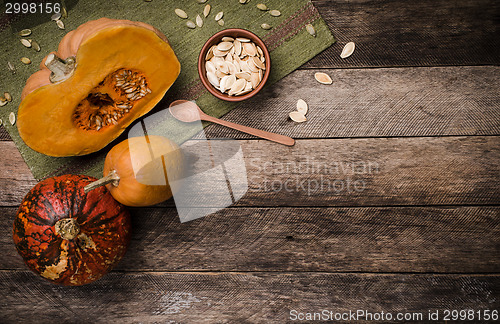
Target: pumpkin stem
column 61, row 69
column 112, row 178
column 68, row 228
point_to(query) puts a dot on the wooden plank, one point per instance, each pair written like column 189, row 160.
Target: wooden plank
column 343, row 172
column 416, row 33
column 375, row 103
column 239, row 297
column 373, row 172
column 15, row 177
column 417, row 240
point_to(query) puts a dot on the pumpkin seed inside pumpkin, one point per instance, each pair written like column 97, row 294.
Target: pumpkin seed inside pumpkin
column 100, row 109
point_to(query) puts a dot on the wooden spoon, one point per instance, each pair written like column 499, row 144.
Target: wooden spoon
column 188, row 111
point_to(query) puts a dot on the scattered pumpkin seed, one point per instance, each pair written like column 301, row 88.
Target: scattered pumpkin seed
column 25, row 60
column 7, row 96
column 64, row 12
column 219, row 16
column 297, row 117
column 12, row 118
column 1, row 122
column 35, row 45
column 202, row 1
column 147, row 0
column 262, row 7
column 302, row 106
column 181, row 13
column 275, row 13
column 3, row 102
column 323, row 78
column 348, row 50
column 310, row 29
column 199, row 21
column 26, row 42
column 206, row 10
column 60, row 24
column 266, row 26
column 25, row 32
column 11, row 67
column 243, row 1
column 56, row 16
column 221, row 22
column 190, row 24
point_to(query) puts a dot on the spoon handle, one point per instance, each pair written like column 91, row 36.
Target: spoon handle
column 285, row 140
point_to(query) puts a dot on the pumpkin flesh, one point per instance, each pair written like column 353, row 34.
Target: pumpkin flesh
column 54, row 118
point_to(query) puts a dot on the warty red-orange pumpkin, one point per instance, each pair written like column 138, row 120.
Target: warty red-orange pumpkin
column 70, row 237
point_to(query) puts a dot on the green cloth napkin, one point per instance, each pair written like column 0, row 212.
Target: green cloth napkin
column 289, row 42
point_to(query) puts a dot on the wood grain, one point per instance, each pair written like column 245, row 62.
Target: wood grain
column 415, row 33
column 386, row 239
column 15, row 177
column 237, row 297
column 342, row 172
column 376, row 103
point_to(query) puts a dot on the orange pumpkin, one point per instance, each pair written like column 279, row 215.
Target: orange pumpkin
column 138, row 170
column 104, row 75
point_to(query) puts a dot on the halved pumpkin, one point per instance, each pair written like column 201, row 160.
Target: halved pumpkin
column 105, row 74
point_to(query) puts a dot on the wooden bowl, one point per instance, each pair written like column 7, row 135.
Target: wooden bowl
column 215, row 39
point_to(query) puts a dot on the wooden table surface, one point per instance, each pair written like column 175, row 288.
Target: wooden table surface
column 412, row 119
